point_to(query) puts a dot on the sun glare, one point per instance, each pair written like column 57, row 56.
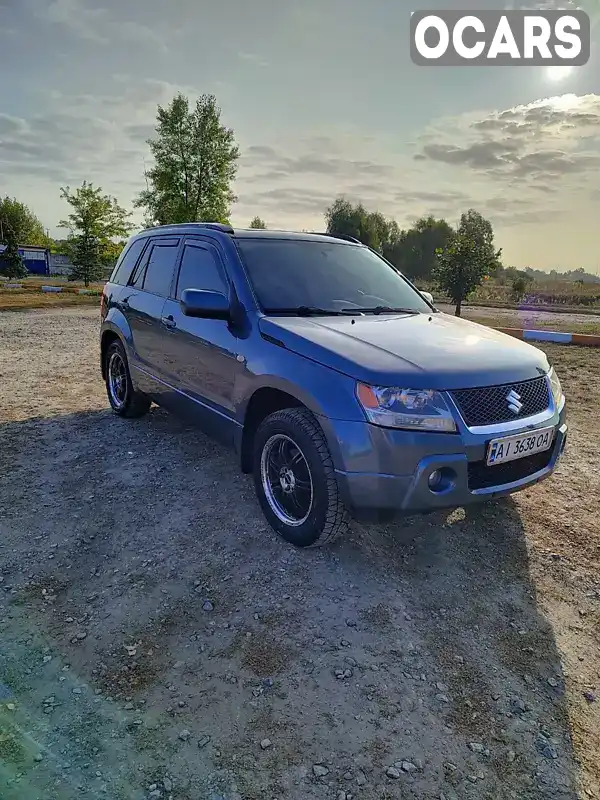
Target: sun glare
column 559, row 73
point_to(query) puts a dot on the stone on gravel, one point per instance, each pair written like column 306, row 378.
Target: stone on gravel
column 393, row 773
column 207, row 606
column 320, row 771
column 265, row 744
column 203, row 741
column 184, row 735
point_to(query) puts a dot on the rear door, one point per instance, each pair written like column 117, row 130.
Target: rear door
column 142, row 302
column 199, row 355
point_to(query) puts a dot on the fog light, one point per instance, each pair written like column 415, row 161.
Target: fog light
column 442, row 480
column 435, row 479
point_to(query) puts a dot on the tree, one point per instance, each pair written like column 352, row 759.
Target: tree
column 414, row 250
column 258, row 224
column 467, row 258
column 95, row 221
column 11, row 263
column 370, row 228
column 26, row 228
column 195, row 163
column 521, row 281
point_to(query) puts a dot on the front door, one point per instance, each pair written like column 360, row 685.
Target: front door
column 199, row 356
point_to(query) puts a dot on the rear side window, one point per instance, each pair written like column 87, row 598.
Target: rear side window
column 200, row 270
column 124, row 267
column 137, row 279
column 160, row 269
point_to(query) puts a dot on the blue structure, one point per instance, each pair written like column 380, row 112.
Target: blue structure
column 35, row 259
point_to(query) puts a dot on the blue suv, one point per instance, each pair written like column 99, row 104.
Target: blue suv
column 340, row 386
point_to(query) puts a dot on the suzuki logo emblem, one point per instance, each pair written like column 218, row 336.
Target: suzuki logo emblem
column 514, row 401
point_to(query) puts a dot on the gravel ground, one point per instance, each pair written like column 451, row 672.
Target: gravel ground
column 159, row 641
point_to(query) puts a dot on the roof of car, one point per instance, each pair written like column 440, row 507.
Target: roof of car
column 245, row 233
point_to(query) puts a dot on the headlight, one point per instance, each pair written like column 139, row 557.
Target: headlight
column 413, row 409
column 557, row 392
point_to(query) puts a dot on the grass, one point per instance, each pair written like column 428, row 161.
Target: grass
column 523, row 320
column 562, row 295
column 15, row 300
column 30, row 296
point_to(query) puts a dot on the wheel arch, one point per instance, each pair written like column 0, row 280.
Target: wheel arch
column 109, row 335
column 264, row 401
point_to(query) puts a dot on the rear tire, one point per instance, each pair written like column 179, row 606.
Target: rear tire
column 122, row 396
column 295, row 480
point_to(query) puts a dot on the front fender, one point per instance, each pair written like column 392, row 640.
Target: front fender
column 330, row 395
column 323, row 391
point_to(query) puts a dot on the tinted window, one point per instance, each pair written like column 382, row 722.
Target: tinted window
column 126, row 264
column 329, row 275
column 137, row 279
column 200, row 270
column 159, row 272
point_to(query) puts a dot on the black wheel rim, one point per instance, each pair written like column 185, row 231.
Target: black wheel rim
column 117, row 380
column 286, row 480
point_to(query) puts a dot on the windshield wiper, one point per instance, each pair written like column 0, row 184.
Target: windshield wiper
column 309, row 311
column 382, row 310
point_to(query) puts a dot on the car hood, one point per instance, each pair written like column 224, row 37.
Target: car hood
column 424, row 351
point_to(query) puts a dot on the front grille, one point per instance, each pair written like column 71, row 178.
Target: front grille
column 482, row 477
column 488, row 405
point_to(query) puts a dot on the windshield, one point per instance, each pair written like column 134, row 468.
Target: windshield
column 326, row 276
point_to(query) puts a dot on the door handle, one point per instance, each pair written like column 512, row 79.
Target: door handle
column 168, row 322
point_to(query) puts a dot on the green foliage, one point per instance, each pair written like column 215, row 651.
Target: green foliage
column 414, row 251
column 519, row 287
column 95, row 221
column 344, row 218
column 520, row 282
column 195, row 163
column 26, row 228
column 467, row 259
column 258, row 224
column 11, row 263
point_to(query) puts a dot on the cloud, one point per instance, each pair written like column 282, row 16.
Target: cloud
column 98, row 25
column 253, row 58
column 541, row 141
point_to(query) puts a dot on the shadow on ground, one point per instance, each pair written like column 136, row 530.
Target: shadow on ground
column 158, row 637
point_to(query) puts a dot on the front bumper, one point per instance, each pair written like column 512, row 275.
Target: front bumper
column 388, row 470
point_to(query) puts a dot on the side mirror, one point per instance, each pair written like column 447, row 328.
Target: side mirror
column 428, row 296
column 205, row 305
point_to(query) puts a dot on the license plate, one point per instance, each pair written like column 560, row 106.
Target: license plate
column 510, row 448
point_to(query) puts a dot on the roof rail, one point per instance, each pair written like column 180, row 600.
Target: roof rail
column 343, row 236
column 215, row 226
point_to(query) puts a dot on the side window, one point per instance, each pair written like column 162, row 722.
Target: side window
column 125, row 265
column 161, row 265
column 137, row 279
column 200, row 270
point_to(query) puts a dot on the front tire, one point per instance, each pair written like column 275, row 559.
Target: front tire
column 122, row 396
column 295, row 480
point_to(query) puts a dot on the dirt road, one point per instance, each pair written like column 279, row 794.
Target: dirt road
column 158, row 640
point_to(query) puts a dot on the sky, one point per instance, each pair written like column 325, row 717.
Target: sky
column 324, row 101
